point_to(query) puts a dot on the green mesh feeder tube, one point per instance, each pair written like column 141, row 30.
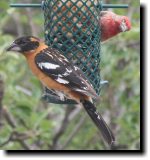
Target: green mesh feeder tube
column 72, row 27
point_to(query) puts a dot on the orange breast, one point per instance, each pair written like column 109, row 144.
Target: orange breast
column 46, row 80
column 49, row 82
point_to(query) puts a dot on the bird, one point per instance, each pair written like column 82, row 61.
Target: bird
column 57, row 73
column 111, row 24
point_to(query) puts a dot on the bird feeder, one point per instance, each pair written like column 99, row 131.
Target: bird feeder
column 72, row 27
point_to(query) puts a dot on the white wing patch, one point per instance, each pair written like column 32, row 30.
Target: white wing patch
column 63, row 57
column 76, row 68
column 48, row 65
column 68, row 70
column 80, row 90
column 61, row 80
column 49, row 54
column 66, row 74
column 85, row 88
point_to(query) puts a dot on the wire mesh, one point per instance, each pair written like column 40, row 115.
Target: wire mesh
column 72, row 27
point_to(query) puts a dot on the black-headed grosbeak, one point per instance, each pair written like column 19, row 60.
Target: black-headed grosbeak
column 57, row 73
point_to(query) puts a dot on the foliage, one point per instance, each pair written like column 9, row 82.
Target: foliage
column 42, row 126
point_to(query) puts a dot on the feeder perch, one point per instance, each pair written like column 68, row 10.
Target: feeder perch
column 72, row 27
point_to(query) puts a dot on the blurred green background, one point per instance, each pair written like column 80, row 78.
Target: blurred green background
column 26, row 122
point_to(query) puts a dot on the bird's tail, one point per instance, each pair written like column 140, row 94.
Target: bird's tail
column 99, row 121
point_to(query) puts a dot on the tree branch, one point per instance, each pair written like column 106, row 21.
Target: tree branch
column 74, row 132
column 1, row 98
column 62, row 128
column 11, row 121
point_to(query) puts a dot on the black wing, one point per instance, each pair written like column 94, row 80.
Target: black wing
column 55, row 65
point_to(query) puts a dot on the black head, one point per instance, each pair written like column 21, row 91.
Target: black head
column 24, row 44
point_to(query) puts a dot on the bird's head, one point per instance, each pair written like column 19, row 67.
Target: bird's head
column 24, row 44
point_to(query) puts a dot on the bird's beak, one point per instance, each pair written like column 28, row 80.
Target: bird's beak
column 13, row 47
column 124, row 27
